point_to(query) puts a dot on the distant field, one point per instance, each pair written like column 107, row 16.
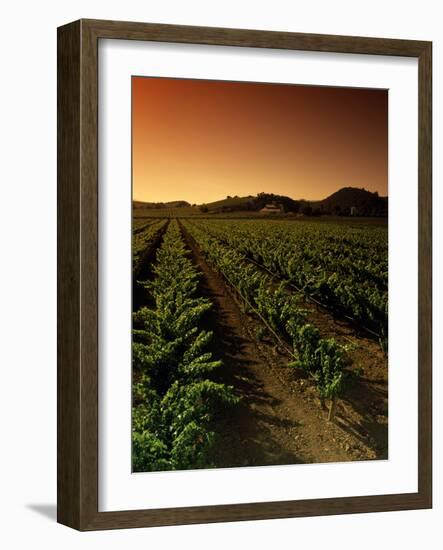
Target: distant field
column 193, row 212
column 184, row 212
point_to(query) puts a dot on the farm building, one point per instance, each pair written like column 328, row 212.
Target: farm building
column 272, row 208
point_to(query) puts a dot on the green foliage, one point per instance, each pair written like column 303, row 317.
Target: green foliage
column 174, row 402
column 344, row 267
column 143, row 233
column 323, row 359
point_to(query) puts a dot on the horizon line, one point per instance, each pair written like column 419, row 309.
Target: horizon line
column 253, row 196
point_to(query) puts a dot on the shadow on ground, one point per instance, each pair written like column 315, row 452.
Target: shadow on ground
column 49, row 511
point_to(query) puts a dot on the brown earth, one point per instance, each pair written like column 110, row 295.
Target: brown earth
column 363, row 409
column 280, row 419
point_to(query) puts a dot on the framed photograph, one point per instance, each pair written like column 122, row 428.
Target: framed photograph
column 244, row 275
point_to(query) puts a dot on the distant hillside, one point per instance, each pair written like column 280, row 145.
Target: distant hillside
column 251, row 203
column 348, row 201
column 151, row 205
column 230, row 204
column 360, row 201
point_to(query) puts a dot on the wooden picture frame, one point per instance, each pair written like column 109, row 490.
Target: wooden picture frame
column 78, row 274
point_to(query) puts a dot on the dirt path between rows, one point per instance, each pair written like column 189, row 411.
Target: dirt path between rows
column 363, row 409
column 278, row 421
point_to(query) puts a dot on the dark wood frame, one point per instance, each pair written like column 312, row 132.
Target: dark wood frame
column 77, row 456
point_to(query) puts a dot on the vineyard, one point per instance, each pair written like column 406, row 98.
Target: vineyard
column 344, row 269
column 258, row 342
column 173, row 398
column 143, row 237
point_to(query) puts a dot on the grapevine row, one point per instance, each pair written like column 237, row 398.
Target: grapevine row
column 343, row 268
column 324, row 359
column 174, row 401
column 140, row 224
column 142, row 238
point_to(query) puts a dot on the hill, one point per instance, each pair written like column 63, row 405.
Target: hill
column 355, row 201
column 348, row 201
column 229, row 204
column 251, row 203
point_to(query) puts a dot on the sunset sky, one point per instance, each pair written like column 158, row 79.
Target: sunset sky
column 199, row 140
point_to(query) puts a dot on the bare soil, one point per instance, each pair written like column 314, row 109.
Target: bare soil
column 363, row 409
column 280, row 419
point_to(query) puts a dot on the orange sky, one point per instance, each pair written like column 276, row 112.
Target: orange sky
column 200, row 140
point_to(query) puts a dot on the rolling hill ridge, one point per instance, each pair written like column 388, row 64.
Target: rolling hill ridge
column 346, row 201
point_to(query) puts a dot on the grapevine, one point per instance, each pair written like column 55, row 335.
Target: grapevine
column 323, row 359
column 174, row 400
